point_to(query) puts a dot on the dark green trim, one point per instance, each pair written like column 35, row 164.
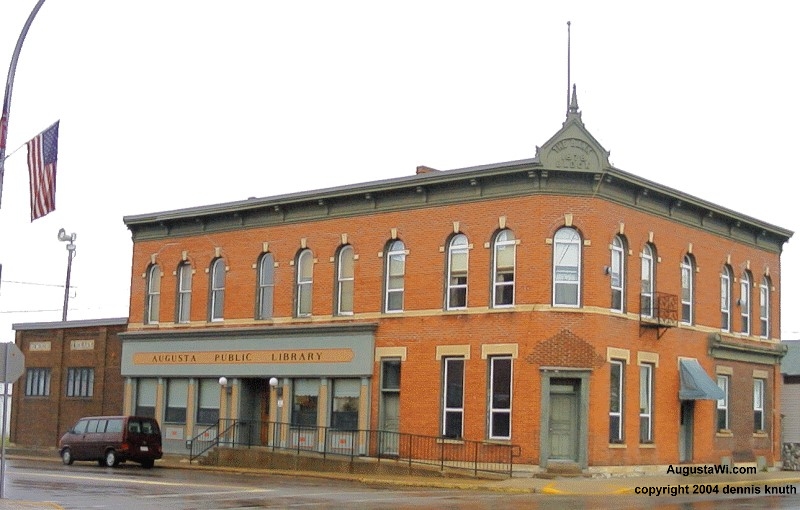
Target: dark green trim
column 765, row 354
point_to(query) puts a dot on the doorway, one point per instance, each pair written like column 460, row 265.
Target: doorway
column 686, row 433
column 563, row 423
column 564, row 417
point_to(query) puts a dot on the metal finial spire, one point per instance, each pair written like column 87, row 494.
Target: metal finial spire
column 573, row 105
column 569, row 81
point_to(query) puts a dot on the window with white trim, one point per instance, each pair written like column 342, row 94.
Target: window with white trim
column 645, row 403
column 616, row 392
column 725, row 298
column 305, row 281
column 758, row 405
column 617, row 273
column 184, row 302
column 744, row 302
column 566, row 267
column 345, row 278
column 723, row 381
column 266, row 286
column 500, row 397
column 395, row 276
column 687, row 289
column 648, row 282
column 216, row 306
column 457, row 270
column 764, row 306
column 503, row 262
column 453, row 397
column 153, row 305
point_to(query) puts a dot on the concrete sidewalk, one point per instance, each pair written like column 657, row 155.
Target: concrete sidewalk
column 573, row 486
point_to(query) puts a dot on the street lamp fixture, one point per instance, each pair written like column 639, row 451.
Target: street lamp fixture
column 70, row 240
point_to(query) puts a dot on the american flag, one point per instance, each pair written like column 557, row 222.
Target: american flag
column 42, row 158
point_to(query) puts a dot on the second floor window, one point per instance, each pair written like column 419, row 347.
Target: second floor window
column 184, row 301
column 648, row 281
column 763, row 298
column 216, row 306
column 153, row 304
column 305, row 280
column 395, row 276
column 744, row 302
column 504, row 260
column 725, row 298
column 457, row 267
column 345, row 280
column 266, row 286
column 687, row 289
column 617, row 270
column 566, row 268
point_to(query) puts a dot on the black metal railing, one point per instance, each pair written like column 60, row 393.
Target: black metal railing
column 384, row 445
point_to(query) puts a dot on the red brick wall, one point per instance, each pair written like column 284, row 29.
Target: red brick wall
column 533, row 219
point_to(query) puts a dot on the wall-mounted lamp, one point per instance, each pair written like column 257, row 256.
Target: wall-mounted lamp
column 606, row 270
column 223, row 381
column 273, row 383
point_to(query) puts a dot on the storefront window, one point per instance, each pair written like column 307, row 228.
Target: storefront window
column 344, row 415
column 304, row 404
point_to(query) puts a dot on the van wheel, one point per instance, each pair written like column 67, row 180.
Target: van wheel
column 111, row 459
column 66, row 457
column 147, row 464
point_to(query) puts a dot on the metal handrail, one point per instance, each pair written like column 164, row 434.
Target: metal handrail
column 413, row 449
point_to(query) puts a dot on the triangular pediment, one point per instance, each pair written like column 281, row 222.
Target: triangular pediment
column 573, row 147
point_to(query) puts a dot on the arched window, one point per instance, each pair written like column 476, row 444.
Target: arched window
column 617, row 273
column 457, row 270
column 153, row 304
column 744, row 301
column 648, row 281
column 305, row 279
column 183, row 303
column 217, row 302
column 504, row 261
column 725, row 297
column 345, row 280
column 687, row 289
column 266, row 286
column 395, row 276
column 763, row 292
column 566, row 268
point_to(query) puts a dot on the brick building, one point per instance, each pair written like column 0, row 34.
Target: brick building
column 72, row 369
column 585, row 314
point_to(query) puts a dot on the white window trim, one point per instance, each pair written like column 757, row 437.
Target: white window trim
column 620, row 435
column 445, row 393
column 745, row 291
column 725, row 300
column 451, row 250
column 648, row 412
column 399, row 252
column 723, row 403
column 687, row 268
column 217, row 293
column 495, row 283
column 267, row 261
column 342, row 279
column 618, row 250
column 153, row 294
column 575, row 240
column 647, row 255
column 758, row 403
column 763, row 289
column 301, row 283
column 492, row 409
column 184, row 294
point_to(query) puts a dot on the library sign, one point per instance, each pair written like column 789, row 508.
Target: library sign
column 244, row 357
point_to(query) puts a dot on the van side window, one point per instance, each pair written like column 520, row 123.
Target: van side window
column 92, row 427
column 80, row 427
column 114, row 426
column 101, row 426
column 134, row 426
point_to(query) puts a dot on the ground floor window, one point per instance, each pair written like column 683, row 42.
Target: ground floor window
column 615, row 402
column 177, row 396
column 208, row 401
column 146, row 398
column 304, row 403
column 758, row 405
column 646, row 403
column 500, row 397
column 344, row 406
column 723, row 381
column 37, row 382
column 80, row 382
column 453, row 398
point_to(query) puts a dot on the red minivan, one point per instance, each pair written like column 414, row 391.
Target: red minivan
column 110, row 440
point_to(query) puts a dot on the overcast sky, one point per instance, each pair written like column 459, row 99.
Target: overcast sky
column 166, row 104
